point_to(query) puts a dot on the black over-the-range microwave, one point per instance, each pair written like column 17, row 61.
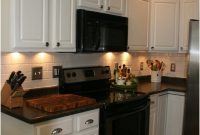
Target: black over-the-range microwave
column 99, row 32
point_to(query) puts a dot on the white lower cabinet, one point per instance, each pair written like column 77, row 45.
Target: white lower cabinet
column 63, row 126
column 166, row 113
column 85, row 123
column 94, row 131
column 153, row 115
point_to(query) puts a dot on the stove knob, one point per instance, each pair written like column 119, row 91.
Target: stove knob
column 73, row 74
column 107, row 71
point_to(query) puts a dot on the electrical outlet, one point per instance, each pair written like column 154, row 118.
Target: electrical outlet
column 37, row 73
column 56, row 71
column 141, row 65
column 173, row 67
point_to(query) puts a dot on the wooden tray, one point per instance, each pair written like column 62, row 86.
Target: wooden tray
column 55, row 103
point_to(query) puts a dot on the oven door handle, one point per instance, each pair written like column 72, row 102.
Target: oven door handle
column 130, row 113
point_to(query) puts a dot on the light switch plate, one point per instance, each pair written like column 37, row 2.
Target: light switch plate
column 37, row 73
column 173, row 67
column 56, row 71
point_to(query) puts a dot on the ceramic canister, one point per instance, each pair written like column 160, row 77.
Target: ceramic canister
column 155, row 76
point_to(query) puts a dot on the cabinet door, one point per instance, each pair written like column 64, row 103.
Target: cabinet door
column 175, row 109
column 64, row 35
column 94, row 4
column 164, row 25
column 162, row 113
column 30, row 23
column 153, row 115
column 116, row 6
column 138, row 22
column 188, row 10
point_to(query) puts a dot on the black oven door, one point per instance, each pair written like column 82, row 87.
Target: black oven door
column 135, row 122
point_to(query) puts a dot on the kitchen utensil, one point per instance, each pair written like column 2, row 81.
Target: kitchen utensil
column 11, row 76
column 55, row 103
column 15, row 78
column 19, row 81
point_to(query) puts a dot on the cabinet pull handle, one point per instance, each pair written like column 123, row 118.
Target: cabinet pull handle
column 128, row 48
column 152, row 47
column 47, row 44
column 101, row 6
column 90, row 121
column 58, row 44
column 108, row 8
column 56, row 131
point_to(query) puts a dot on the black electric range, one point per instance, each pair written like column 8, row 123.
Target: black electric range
column 123, row 113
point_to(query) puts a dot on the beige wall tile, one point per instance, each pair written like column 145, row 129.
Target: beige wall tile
column 25, row 62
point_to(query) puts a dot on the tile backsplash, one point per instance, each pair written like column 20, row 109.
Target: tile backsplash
column 25, row 61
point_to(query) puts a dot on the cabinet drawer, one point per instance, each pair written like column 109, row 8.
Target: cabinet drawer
column 87, row 120
column 94, row 131
column 58, row 127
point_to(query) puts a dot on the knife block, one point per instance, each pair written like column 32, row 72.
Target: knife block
column 10, row 98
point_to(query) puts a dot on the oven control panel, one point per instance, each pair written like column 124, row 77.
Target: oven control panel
column 73, row 75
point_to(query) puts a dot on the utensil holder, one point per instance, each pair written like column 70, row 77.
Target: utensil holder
column 10, row 98
column 155, row 76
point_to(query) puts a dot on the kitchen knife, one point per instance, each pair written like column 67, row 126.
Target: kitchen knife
column 22, row 80
column 11, row 76
column 18, row 83
column 18, row 72
column 15, row 78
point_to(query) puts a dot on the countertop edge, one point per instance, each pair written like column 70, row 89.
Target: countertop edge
column 51, row 116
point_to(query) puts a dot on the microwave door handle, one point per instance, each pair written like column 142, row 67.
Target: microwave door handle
column 97, row 35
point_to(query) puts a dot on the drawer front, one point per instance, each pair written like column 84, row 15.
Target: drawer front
column 87, row 120
column 94, row 131
column 62, row 127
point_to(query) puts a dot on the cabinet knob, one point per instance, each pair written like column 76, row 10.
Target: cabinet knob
column 108, row 8
column 47, row 44
column 152, row 47
column 152, row 102
column 101, row 6
column 181, row 48
column 58, row 44
column 128, row 48
column 56, row 131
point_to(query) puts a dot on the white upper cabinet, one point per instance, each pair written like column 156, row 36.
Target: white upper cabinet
column 138, row 22
column 164, row 25
column 188, row 10
column 30, row 23
column 117, row 7
column 94, row 4
column 39, row 25
column 64, row 28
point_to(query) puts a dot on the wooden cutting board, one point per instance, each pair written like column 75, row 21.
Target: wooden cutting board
column 55, row 103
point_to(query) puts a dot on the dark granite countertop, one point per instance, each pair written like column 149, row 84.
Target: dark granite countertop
column 167, row 84
column 31, row 115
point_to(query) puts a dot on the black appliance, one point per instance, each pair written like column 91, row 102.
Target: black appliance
column 123, row 112
column 99, row 32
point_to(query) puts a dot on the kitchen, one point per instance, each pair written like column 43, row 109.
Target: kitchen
column 44, row 36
